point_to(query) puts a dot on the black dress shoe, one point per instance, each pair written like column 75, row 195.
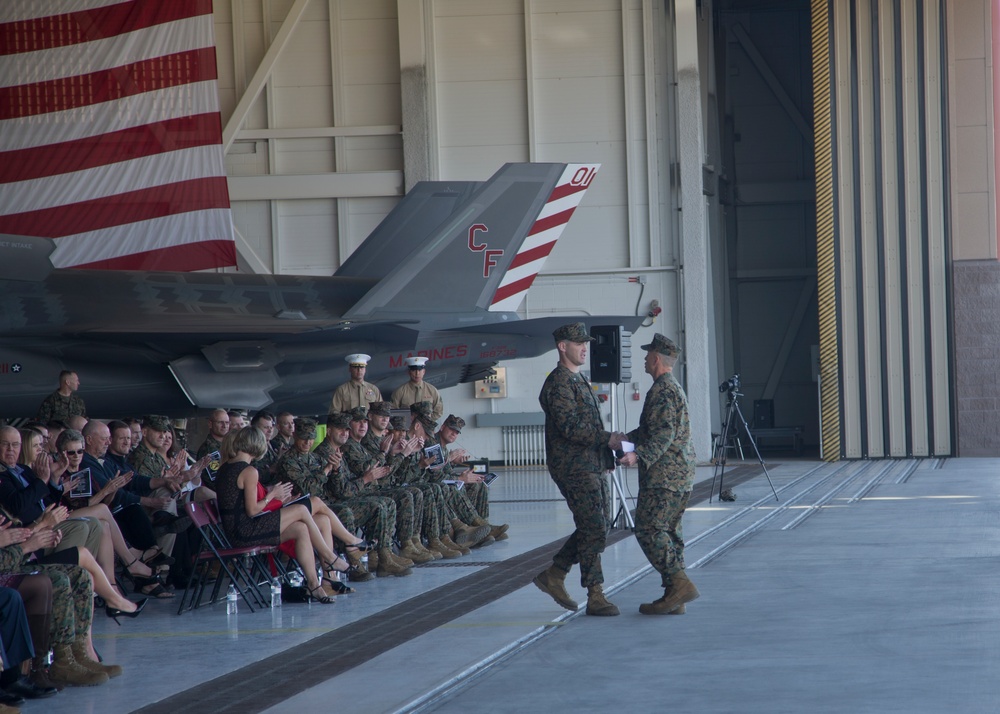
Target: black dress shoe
column 10, row 699
column 24, row 687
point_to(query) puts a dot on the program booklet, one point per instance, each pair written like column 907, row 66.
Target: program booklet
column 436, row 455
column 84, row 488
column 213, row 465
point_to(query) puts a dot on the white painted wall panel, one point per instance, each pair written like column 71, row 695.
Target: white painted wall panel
column 480, row 48
column 308, row 230
column 483, row 114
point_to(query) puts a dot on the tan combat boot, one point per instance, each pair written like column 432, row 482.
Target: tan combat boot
column 468, row 535
column 388, row 566
column 359, row 573
column 438, row 546
column 415, row 540
column 552, row 582
column 488, row 540
column 599, row 605
column 417, row 556
column 400, row 559
column 64, row 670
column 83, row 659
column 449, row 542
column 681, row 590
column 498, row 532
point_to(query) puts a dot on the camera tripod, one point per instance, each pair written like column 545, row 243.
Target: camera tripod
column 731, row 427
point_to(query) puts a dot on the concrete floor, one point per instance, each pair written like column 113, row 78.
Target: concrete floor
column 868, row 587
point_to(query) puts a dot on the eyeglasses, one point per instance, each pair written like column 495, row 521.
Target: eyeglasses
column 73, row 451
column 9, row 444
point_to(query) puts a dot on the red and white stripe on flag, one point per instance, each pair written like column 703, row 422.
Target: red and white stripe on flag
column 542, row 236
column 110, row 133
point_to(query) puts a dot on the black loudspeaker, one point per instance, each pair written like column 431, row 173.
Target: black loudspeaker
column 610, row 354
column 763, row 413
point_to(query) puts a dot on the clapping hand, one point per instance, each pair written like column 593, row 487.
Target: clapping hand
column 280, row 491
column 42, row 539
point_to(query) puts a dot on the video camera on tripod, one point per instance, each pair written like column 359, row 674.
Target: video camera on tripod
column 731, row 385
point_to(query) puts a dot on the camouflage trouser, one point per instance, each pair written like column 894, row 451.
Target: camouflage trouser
column 479, row 495
column 72, row 600
column 658, row 515
column 588, row 498
column 346, row 516
column 436, row 519
column 406, row 498
column 458, row 505
column 376, row 515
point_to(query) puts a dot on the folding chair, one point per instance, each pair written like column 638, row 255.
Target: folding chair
column 244, row 566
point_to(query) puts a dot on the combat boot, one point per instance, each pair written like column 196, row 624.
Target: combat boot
column 449, row 542
column 417, row 556
column 65, row 671
column 597, row 604
column 488, row 540
column 681, row 590
column 358, row 573
column 468, row 535
column 40, row 675
column 415, row 540
column 552, row 582
column 436, row 545
column 388, row 567
column 498, row 532
column 400, row 559
column 83, row 659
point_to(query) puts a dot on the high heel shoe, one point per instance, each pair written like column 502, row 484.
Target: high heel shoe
column 322, row 598
column 364, row 546
column 339, row 587
column 114, row 613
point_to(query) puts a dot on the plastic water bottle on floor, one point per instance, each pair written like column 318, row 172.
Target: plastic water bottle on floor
column 276, row 592
column 231, row 605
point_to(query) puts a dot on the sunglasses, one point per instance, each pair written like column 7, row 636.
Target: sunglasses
column 75, row 451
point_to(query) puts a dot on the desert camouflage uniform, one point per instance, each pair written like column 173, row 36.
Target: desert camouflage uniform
column 375, row 514
column 577, row 454
column 305, row 472
column 56, row 406
column 666, row 475
column 72, row 594
column 360, row 460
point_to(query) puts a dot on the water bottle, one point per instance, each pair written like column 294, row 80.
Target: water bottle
column 231, row 596
column 295, row 579
column 276, row 592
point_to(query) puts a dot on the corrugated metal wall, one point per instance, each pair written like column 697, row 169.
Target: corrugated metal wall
column 889, row 149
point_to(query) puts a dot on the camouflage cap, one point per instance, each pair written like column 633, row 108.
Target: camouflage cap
column 338, row 420
column 358, row 413
column 422, row 411
column 305, row 429
column 454, row 422
column 380, row 409
column 397, row 423
column 573, row 332
column 663, row 345
column 156, row 422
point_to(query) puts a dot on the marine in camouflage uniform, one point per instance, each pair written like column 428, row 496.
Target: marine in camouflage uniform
column 147, row 462
column 59, row 407
column 69, row 620
column 666, row 459
column 359, row 460
column 307, row 472
column 376, row 516
column 578, row 456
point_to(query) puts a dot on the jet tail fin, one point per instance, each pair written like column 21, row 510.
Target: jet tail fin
column 462, row 246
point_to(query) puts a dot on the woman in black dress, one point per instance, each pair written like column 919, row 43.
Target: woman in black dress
column 239, row 506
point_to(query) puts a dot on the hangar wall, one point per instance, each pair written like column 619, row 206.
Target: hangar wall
column 503, row 80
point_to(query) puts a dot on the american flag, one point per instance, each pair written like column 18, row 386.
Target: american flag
column 110, row 134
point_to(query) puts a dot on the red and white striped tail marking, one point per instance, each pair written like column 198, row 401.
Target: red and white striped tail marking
column 110, row 134
column 542, row 237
